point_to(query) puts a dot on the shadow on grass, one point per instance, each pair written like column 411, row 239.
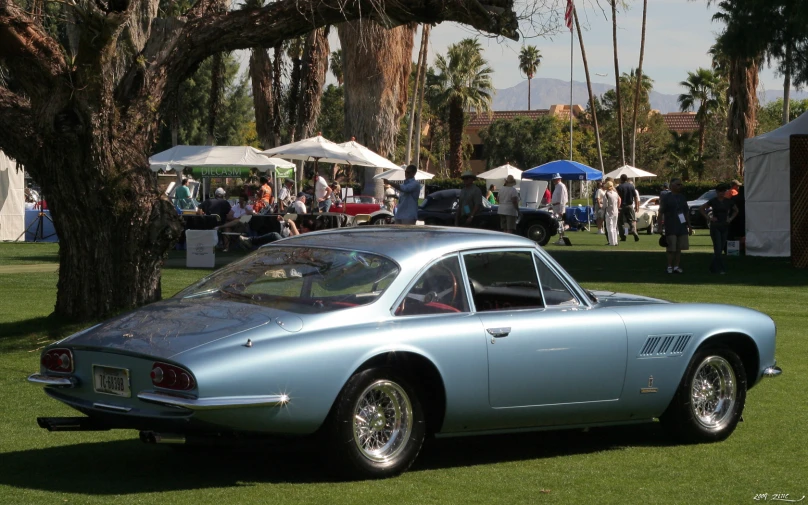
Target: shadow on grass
column 593, row 266
column 29, row 259
column 13, row 333
column 128, row 467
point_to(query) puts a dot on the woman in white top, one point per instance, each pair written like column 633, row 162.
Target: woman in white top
column 611, row 207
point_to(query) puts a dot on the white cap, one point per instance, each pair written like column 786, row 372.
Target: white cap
column 220, row 192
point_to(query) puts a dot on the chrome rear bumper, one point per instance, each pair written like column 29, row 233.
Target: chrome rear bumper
column 224, row 402
column 52, row 380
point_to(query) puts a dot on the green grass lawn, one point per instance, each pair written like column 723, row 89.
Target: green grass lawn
column 766, row 454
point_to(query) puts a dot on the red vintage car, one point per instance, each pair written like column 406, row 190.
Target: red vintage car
column 364, row 204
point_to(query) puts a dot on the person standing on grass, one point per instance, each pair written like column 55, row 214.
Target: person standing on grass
column 559, row 201
column 470, row 202
column 611, row 208
column 628, row 208
column 408, row 192
column 508, row 209
column 182, row 195
column 599, row 204
column 674, row 225
column 723, row 212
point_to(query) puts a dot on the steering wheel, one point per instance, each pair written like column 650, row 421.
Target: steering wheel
column 432, row 296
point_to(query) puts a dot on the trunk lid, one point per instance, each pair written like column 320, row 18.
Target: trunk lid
column 165, row 329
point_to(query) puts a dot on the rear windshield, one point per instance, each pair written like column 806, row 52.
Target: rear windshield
column 304, row 280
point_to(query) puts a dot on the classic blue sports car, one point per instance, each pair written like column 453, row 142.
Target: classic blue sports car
column 373, row 338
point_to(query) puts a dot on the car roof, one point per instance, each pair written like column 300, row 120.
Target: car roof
column 404, row 243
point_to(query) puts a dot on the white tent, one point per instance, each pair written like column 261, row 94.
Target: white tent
column 631, row 172
column 216, row 158
column 767, row 189
column 397, row 174
column 318, row 149
column 12, row 200
column 371, row 158
column 496, row 176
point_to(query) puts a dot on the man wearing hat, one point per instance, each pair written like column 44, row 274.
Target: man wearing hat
column 732, row 192
column 409, row 190
column 285, row 195
column 470, row 200
column 559, row 202
column 508, row 208
column 218, row 206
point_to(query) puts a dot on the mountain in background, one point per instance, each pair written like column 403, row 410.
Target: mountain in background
column 546, row 92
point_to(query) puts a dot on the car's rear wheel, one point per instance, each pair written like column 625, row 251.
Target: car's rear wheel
column 710, row 399
column 377, row 426
column 538, row 233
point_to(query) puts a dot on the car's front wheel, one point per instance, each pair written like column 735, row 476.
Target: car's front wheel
column 538, row 233
column 377, row 426
column 710, row 399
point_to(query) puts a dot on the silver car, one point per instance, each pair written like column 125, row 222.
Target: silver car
column 370, row 339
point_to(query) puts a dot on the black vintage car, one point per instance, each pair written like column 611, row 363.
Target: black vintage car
column 439, row 208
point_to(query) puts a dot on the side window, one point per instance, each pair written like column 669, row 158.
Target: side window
column 503, row 280
column 555, row 292
column 439, row 290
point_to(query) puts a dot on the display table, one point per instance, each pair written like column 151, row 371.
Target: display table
column 39, row 230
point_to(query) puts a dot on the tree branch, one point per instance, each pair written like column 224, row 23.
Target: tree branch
column 32, row 54
column 17, row 134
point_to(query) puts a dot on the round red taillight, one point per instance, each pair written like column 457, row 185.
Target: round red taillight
column 165, row 375
column 58, row 360
column 64, row 362
column 185, row 380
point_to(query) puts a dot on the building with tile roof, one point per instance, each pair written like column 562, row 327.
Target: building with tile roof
column 681, row 122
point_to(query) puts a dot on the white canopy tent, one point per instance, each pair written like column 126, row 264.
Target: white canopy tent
column 767, row 191
column 215, row 157
column 631, row 172
column 372, row 159
column 317, row 149
column 12, row 200
column 397, row 174
column 496, row 176
column 220, row 161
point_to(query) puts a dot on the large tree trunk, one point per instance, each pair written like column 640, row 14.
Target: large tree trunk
column 638, row 88
column 456, row 123
column 216, row 96
column 277, row 96
column 376, row 62
column 589, row 88
column 84, row 126
column 420, row 108
column 617, row 84
column 315, row 66
column 417, row 85
column 743, row 104
column 787, row 86
column 261, row 77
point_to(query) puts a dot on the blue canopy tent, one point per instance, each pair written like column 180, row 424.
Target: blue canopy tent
column 569, row 171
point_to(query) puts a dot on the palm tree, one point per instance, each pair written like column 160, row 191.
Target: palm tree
column 589, row 87
column 420, row 107
column 630, row 82
column 529, row 61
column 377, row 62
column 422, row 52
column 464, row 83
column 336, row 65
column 703, row 88
column 261, row 76
column 637, row 88
column 617, row 83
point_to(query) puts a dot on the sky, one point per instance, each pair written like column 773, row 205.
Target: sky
column 678, row 35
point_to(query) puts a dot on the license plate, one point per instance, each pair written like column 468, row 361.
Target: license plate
column 111, row 381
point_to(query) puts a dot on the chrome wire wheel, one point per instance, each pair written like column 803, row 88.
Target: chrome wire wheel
column 713, row 393
column 382, row 421
column 537, row 233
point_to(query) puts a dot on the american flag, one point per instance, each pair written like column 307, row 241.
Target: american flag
column 568, row 14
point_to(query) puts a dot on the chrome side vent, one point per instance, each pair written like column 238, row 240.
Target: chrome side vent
column 650, row 346
column 664, row 345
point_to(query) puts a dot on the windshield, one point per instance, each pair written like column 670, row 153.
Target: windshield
column 708, row 195
column 303, row 280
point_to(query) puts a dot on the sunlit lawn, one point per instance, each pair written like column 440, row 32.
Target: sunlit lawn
column 609, row 465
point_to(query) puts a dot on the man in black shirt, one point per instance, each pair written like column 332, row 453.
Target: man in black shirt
column 216, row 206
column 628, row 209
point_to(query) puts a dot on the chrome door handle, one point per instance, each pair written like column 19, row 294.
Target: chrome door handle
column 499, row 332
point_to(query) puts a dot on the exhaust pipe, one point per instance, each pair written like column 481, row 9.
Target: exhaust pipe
column 71, row 424
column 151, row 437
